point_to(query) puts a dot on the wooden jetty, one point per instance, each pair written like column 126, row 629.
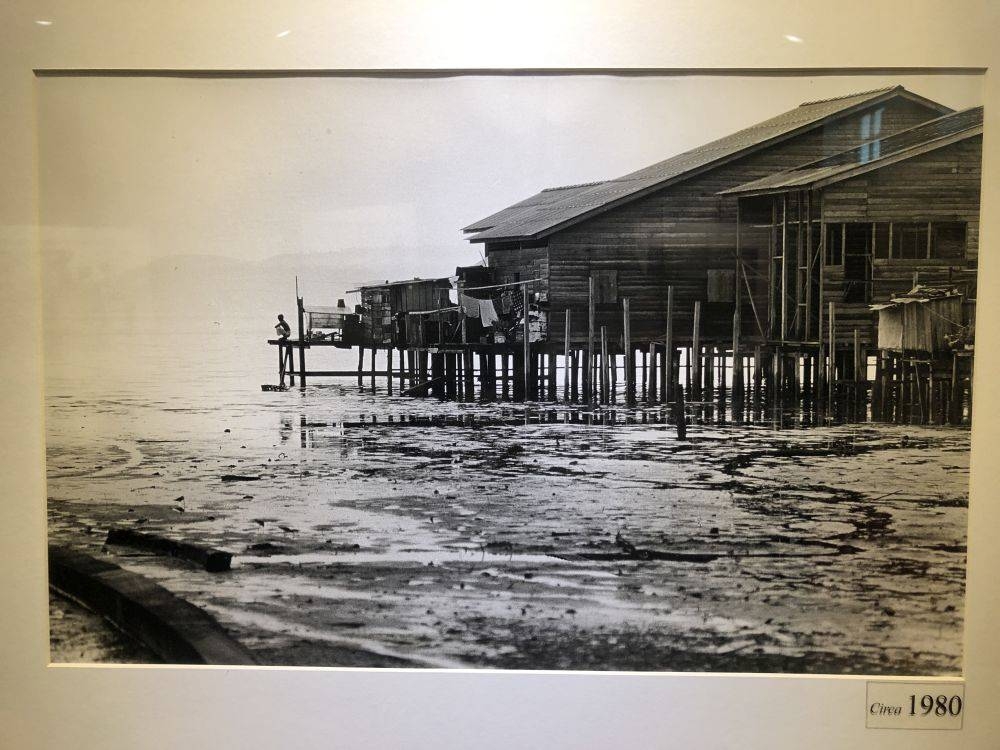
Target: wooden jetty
column 743, row 277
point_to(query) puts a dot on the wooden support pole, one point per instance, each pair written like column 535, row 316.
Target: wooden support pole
column 551, row 357
column 388, row 369
column 302, row 341
column 574, row 380
column 566, row 359
column 605, row 371
column 668, row 355
column 809, row 268
column 737, row 359
column 651, row 387
column 505, row 375
column 527, row 344
column 758, row 377
column 437, row 375
column 613, row 377
column 469, row 366
column 588, row 370
column 423, row 371
column 643, row 390
column 695, row 361
column 832, row 369
column 784, row 267
column 372, row 371
column 451, row 376
column 629, row 354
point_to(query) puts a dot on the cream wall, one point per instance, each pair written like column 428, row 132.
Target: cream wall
column 176, row 707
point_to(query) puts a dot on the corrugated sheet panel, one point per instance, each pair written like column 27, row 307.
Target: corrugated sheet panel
column 542, row 212
column 547, row 197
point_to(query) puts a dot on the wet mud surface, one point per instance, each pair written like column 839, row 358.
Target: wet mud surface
column 374, row 531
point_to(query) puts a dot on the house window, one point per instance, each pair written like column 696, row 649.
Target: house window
column 909, row 241
column 605, row 287
column 834, row 245
column 948, row 239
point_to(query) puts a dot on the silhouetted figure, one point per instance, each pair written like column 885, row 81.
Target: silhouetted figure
column 282, row 328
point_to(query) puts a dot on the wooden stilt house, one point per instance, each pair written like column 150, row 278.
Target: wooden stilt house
column 670, row 224
column 824, row 243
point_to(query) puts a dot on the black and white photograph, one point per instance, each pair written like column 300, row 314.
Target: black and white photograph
column 639, row 373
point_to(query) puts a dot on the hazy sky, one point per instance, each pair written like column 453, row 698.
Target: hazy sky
column 381, row 174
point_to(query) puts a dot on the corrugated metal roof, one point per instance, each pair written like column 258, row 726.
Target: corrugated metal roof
column 543, row 213
column 919, row 139
column 546, row 197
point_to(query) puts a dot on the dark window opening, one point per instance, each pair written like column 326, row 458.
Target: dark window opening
column 857, row 262
column 948, row 240
column 834, row 245
column 880, row 239
column 909, row 241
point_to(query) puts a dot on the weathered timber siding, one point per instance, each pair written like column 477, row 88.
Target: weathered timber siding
column 943, row 185
column 520, row 265
column 675, row 235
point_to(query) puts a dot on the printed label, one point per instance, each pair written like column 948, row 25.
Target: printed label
column 915, row 705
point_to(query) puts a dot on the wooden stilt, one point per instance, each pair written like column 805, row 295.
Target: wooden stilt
column 695, row 360
column 605, row 371
column 437, row 375
column 629, row 354
column 450, row 376
column 588, row 374
column 468, row 366
column 613, row 370
column 643, row 391
column 574, row 389
column 651, row 387
column 667, row 378
column 832, row 369
column 551, row 360
column 527, row 344
column 388, row 370
column 302, row 343
column 566, row 359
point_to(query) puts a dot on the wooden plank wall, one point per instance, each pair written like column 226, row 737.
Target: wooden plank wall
column 943, row 185
column 675, row 235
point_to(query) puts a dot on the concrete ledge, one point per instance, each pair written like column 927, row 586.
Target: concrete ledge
column 174, row 629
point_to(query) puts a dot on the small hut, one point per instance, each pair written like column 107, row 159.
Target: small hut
column 925, row 320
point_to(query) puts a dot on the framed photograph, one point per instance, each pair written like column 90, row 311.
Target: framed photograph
column 437, row 390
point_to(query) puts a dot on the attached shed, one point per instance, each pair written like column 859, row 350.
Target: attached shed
column 392, row 313
column 926, row 321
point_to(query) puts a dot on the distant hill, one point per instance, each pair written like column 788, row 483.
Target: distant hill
column 191, row 290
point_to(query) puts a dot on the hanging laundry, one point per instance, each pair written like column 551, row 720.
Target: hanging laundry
column 469, row 305
column 488, row 313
